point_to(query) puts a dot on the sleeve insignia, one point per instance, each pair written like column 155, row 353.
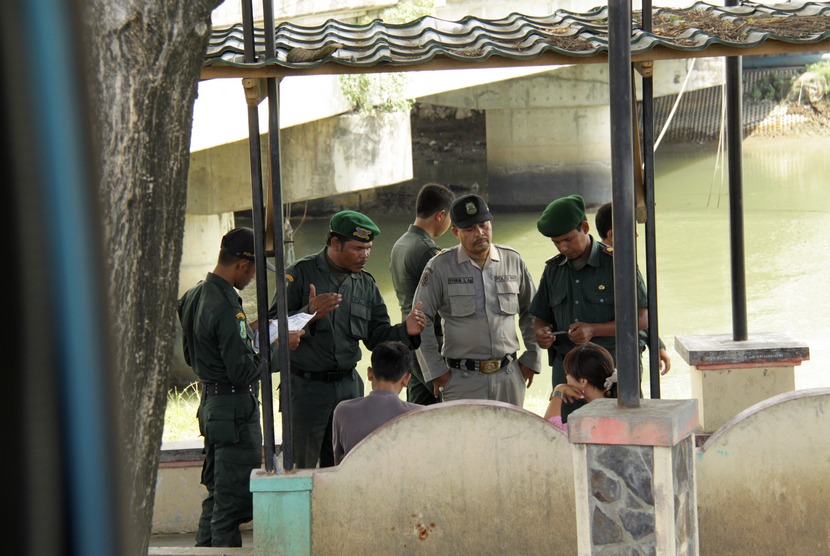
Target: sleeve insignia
column 243, row 333
column 289, row 278
column 425, row 278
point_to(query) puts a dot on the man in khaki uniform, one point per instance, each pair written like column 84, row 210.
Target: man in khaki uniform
column 478, row 289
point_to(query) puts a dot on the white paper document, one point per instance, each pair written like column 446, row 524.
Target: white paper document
column 295, row 322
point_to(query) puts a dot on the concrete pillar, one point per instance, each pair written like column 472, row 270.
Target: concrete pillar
column 536, row 155
column 202, row 236
column 635, row 477
column 728, row 376
column 282, row 512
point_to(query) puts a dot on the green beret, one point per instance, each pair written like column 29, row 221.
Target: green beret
column 562, row 216
column 354, row 225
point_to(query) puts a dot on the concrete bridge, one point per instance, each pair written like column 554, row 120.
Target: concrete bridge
column 545, row 124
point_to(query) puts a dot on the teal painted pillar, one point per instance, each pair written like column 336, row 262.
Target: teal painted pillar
column 282, row 513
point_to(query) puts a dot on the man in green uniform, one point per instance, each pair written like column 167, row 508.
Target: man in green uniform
column 347, row 308
column 575, row 300
column 217, row 343
column 604, row 224
column 410, row 255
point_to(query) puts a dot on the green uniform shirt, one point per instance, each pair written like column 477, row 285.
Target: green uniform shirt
column 410, row 255
column 566, row 296
column 215, row 334
column 333, row 342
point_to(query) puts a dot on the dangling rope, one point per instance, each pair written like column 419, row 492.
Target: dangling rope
column 720, row 155
column 676, row 103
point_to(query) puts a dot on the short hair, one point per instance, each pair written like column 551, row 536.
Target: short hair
column 226, row 259
column 390, row 361
column 432, row 198
column 340, row 237
column 603, row 220
column 593, row 363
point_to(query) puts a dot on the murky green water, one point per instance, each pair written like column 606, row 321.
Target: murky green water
column 787, row 208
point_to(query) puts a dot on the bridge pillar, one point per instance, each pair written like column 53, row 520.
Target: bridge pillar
column 536, row 155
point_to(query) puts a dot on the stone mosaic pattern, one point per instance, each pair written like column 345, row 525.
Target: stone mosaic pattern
column 621, row 500
column 685, row 530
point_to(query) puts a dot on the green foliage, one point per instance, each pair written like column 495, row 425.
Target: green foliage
column 377, row 92
column 771, row 87
column 823, row 69
column 384, row 92
column 409, row 10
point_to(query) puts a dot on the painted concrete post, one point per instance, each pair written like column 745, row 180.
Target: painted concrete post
column 728, row 376
column 635, row 479
column 282, row 513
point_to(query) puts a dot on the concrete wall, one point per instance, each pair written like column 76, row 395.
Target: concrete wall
column 491, row 478
column 550, row 134
column 457, row 478
column 764, row 479
column 345, row 154
column 322, row 158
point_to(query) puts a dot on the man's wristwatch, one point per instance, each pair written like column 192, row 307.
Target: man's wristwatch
column 556, row 394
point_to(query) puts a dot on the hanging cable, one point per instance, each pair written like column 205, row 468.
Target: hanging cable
column 676, row 103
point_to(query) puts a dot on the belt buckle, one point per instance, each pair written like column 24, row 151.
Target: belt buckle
column 488, row 367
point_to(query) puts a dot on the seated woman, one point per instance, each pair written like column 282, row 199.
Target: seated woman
column 590, row 374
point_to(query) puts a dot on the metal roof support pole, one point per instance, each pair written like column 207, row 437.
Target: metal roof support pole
column 651, row 247
column 258, row 213
column 275, row 175
column 734, row 139
column 622, row 186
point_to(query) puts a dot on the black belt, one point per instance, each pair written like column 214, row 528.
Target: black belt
column 485, row 367
column 324, row 376
column 225, row 388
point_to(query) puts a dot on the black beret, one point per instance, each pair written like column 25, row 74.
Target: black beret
column 468, row 210
column 239, row 243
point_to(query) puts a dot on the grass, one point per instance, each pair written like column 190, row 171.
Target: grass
column 180, row 416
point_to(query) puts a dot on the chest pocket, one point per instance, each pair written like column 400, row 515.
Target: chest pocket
column 508, row 297
column 600, row 303
column 360, row 314
column 462, row 299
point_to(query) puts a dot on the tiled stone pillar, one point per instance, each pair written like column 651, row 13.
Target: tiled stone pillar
column 728, row 376
column 634, row 476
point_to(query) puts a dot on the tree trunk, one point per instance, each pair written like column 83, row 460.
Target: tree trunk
column 146, row 56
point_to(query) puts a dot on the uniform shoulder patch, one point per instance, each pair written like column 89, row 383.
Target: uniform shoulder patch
column 289, row 278
column 243, row 329
column 425, row 277
column 555, row 259
column 608, row 250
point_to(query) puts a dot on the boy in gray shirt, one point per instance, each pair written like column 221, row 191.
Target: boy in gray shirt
column 355, row 419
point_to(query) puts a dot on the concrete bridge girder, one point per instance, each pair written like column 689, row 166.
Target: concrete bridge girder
column 554, row 128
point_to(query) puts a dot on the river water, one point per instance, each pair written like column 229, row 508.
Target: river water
column 786, row 210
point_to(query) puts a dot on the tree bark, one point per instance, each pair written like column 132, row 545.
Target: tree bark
column 145, row 60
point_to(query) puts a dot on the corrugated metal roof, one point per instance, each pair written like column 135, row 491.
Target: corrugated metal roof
column 563, row 37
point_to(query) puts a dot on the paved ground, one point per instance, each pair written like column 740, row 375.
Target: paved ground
column 182, row 545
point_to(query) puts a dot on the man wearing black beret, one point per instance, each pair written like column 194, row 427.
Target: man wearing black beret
column 575, row 300
column 478, row 290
